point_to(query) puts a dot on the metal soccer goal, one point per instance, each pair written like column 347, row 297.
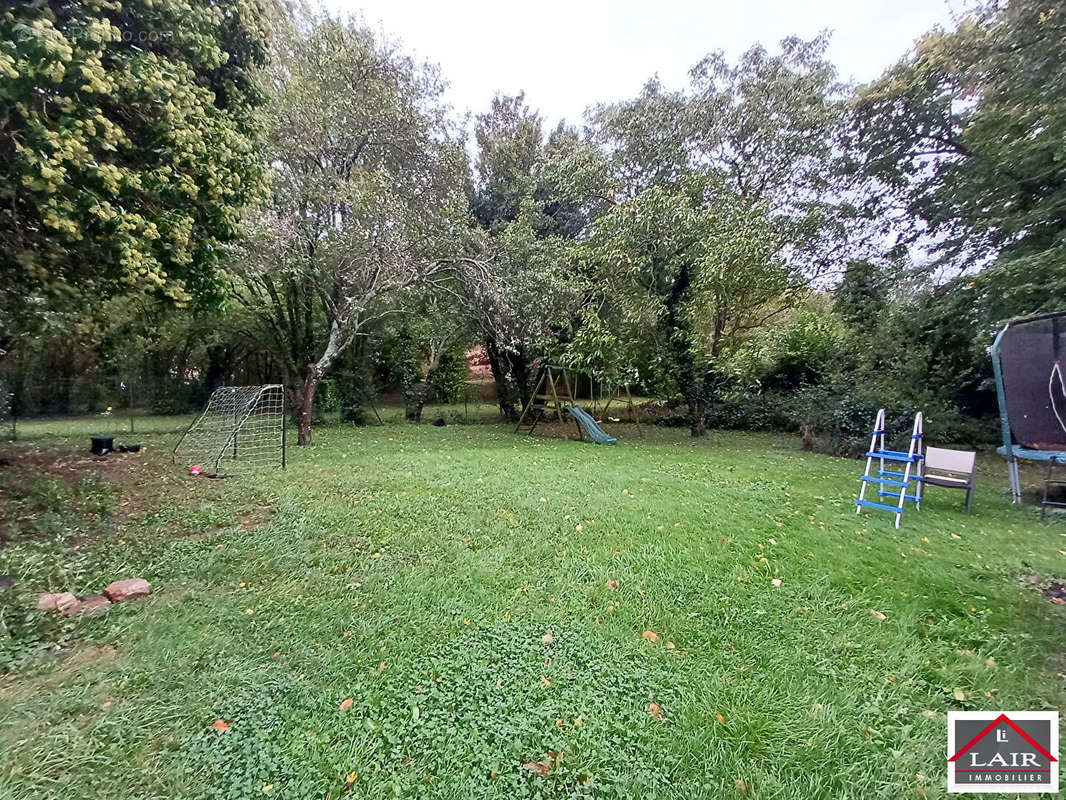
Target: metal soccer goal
column 242, row 429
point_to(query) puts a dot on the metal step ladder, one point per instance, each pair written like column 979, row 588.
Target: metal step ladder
column 892, row 482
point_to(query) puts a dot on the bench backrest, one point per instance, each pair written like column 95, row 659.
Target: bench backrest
column 939, row 458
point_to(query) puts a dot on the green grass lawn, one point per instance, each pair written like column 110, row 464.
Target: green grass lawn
column 664, row 618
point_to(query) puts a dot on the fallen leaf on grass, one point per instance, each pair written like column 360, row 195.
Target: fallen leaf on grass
column 547, row 638
column 655, row 710
column 579, row 720
column 346, row 703
column 880, row 617
column 740, row 785
column 651, row 636
column 612, row 584
column 959, row 695
column 537, row 768
column 776, row 581
column 220, row 725
column 719, row 719
column 545, row 681
column 350, row 779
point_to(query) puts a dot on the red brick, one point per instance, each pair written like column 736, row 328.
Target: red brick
column 55, row 602
column 129, row 589
column 94, row 604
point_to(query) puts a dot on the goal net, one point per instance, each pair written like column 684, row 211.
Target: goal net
column 242, row 429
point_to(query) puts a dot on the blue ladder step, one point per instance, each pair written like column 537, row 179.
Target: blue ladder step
column 884, row 481
column 892, row 455
column 910, row 497
column 893, row 474
column 912, row 476
column 882, row 506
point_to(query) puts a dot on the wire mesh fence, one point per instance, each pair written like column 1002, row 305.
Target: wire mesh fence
column 112, row 408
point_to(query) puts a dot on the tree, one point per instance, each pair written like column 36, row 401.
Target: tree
column 127, row 148
column 862, row 293
column 510, row 143
column 424, row 351
column 680, row 274
column 647, row 138
column 521, row 294
column 772, row 125
column 962, row 141
column 367, row 199
column 519, row 301
column 769, row 125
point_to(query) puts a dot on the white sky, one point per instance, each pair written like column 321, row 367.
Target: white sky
column 570, row 55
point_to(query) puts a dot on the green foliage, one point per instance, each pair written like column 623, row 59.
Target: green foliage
column 804, row 345
column 680, row 275
column 963, row 138
column 509, row 141
column 127, row 146
column 448, row 381
column 768, row 126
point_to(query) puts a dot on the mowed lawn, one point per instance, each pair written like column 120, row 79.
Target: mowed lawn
column 512, row 617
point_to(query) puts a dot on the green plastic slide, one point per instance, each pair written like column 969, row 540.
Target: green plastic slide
column 594, row 431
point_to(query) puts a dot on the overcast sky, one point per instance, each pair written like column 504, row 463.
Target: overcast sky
column 568, row 55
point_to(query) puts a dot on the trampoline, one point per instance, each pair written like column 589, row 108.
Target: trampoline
column 1029, row 360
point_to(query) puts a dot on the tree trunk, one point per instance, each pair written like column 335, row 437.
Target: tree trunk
column 218, row 367
column 510, row 372
column 305, row 403
column 415, row 401
column 680, row 336
column 305, row 395
column 697, row 416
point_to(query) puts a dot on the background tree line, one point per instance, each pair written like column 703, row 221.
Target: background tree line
column 230, row 191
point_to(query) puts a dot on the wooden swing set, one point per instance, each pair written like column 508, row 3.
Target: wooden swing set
column 554, row 395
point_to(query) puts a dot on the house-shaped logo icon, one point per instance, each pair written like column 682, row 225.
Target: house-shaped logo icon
column 1014, row 751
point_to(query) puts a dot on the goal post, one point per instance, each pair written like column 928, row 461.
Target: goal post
column 240, row 430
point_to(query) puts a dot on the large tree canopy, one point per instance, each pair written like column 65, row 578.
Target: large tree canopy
column 769, row 125
column 367, row 197
column 678, row 274
column 964, row 141
column 519, row 300
column 126, row 146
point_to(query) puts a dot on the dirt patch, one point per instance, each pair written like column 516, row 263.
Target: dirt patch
column 259, row 516
column 65, row 465
column 138, row 484
column 73, row 664
column 1052, row 588
column 1056, row 592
